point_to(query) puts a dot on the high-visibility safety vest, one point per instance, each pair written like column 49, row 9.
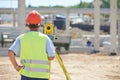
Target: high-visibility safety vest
column 33, row 55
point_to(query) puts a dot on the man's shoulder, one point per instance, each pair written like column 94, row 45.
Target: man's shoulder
column 20, row 35
column 41, row 34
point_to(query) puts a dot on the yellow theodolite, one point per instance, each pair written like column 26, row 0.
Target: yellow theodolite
column 49, row 30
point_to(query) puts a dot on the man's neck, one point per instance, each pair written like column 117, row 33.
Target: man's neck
column 34, row 29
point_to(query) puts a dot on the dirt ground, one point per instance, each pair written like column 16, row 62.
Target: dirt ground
column 80, row 67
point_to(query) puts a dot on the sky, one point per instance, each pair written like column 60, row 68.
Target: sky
column 13, row 3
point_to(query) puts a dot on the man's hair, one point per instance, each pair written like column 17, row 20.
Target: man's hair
column 33, row 25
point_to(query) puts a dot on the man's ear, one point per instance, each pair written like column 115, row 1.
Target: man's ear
column 27, row 25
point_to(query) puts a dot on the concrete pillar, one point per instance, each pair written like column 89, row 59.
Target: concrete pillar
column 118, row 49
column 14, row 19
column 67, row 23
column 21, row 15
column 113, row 24
column 97, row 4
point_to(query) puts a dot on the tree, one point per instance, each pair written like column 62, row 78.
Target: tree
column 118, row 1
column 105, row 4
column 90, row 5
column 58, row 6
column 83, row 5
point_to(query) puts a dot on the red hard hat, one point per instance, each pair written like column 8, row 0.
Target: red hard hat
column 34, row 18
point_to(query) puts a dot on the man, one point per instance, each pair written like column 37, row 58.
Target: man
column 36, row 50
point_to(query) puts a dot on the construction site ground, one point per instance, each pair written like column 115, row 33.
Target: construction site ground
column 80, row 66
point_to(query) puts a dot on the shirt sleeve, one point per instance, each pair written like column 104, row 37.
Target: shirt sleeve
column 50, row 49
column 15, row 47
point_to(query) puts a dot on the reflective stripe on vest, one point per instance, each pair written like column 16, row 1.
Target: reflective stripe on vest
column 35, row 69
column 35, row 62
